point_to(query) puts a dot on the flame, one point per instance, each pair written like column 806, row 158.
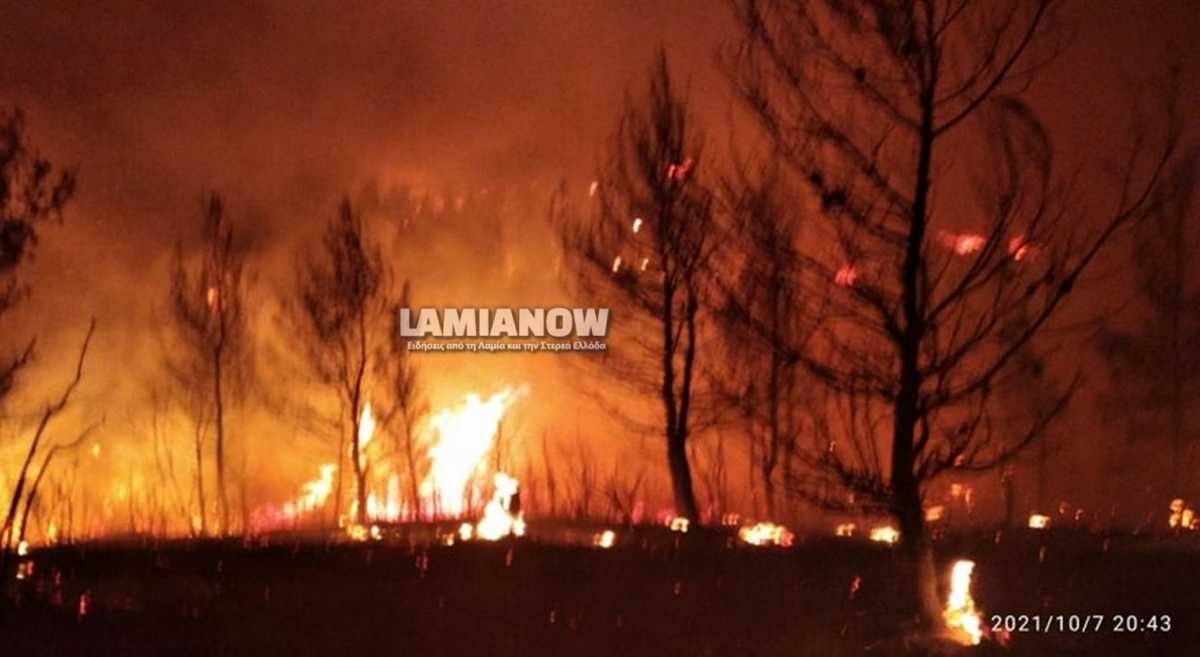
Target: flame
column 464, row 438
column 678, row 524
column 960, row 615
column 766, row 533
column 845, row 529
column 22, row 548
column 885, row 534
column 637, row 224
column 935, row 513
column 605, row 539
column 366, row 427
column 499, row 519
column 1182, row 516
column 616, row 267
column 1038, row 521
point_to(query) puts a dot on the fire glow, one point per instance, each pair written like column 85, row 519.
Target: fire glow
column 464, row 438
column 766, row 533
column 961, row 616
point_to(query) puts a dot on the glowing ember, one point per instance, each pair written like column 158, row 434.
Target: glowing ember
column 885, row 534
column 960, row 615
column 1182, row 516
column 593, row 187
column 637, row 224
column 766, row 533
column 500, row 518
column 605, row 539
column 846, row 276
column 935, row 513
column 464, row 438
column 964, row 244
column 22, row 548
column 1038, row 521
column 1018, row 248
column 846, row 529
column 616, row 268
column 679, row 524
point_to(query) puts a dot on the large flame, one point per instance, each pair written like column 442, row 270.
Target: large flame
column 960, row 615
column 464, row 438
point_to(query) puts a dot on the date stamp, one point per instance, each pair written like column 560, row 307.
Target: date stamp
column 1079, row 623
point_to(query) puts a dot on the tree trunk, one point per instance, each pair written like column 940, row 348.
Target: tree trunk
column 201, row 502
column 218, row 400
column 681, row 478
column 410, row 457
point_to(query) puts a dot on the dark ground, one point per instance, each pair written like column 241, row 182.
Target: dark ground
column 655, row 593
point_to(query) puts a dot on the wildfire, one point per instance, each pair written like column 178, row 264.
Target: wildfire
column 885, row 534
column 961, row 616
column 464, row 437
column 766, row 533
column 1038, row 521
column 502, row 516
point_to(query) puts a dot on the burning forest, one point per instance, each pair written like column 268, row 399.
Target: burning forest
column 768, row 327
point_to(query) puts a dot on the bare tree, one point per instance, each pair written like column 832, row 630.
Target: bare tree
column 761, row 308
column 644, row 249
column 1155, row 367
column 342, row 316
column 209, row 358
column 874, row 105
column 409, row 406
column 9, row 531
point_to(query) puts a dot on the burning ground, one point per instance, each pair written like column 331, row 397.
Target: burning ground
column 654, row 592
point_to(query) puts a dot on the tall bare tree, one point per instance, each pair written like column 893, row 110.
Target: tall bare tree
column 761, row 308
column 342, row 315
column 644, row 248
column 1155, row 366
column 874, row 105
column 210, row 355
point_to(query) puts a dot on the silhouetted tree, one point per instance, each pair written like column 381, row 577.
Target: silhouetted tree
column 760, row 308
column 32, row 191
column 644, row 249
column 209, row 358
column 409, row 406
column 928, row 297
column 1155, row 365
column 342, row 317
